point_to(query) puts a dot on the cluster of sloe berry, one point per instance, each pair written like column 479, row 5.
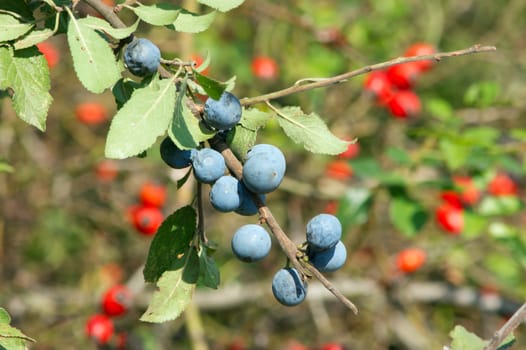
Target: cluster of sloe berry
column 323, row 249
column 263, row 171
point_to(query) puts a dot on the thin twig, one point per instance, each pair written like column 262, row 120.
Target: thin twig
column 324, row 82
column 518, row 317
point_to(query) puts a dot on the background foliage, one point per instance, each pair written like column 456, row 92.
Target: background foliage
column 65, row 236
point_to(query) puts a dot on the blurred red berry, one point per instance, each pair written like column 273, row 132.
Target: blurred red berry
column 152, row 194
column 295, row 345
column 451, row 197
column 469, row 193
column 420, row 49
column 50, row 52
column 331, row 207
column 116, row 300
column 502, row 185
column 403, row 75
column 450, row 218
column 410, row 259
column 378, row 84
column 404, row 103
column 264, row 67
column 100, row 328
column 147, row 219
column 339, row 170
column 91, row 113
column 332, row 346
column 198, row 59
column 351, row 152
column 106, row 170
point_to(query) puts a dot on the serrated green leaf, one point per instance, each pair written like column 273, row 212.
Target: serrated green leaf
column 12, row 344
column 464, row 340
column 189, row 22
column 222, row 5
column 186, row 131
column 26, row 72
column 172, row 239
column 158, row 14
column 240, row 140
column 213, row 88
column 141, row 120
column 12, row 28
column 208, row 271
column 4, row 316
column 407, row 215
column 93, row 59
column 174, row 289
column 7, row 331
column 33, row 37
column 310, row 131
column 103, row 26
column 253, row 118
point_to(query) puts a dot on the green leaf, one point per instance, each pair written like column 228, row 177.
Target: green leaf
column 464, row 340
column 4, row 316
column 253, row 118
column 174, row 289
column 519, row 134
column 93, row 59
column 474, row 224
column 439, row 108
column 188, row 22
column 186, row 131
column 213, row 88
column 481, row 135
column 158, row 14
column 185, row 178
column 455, row 154
column 172, row 239
column 240, row 140
column 482, row 94
column 17, row 8
column 407, row 215
column 7, row 331
column 208, row 271
column 399, row 155
column 6, row 168
column 33, row 37
column 222, row 5
column 141, row 120
column 123, row 90
column 26, row 72
column 12, row 28
column 103, row 26
column 501, row 205
column 310, row 130
column 353, row 207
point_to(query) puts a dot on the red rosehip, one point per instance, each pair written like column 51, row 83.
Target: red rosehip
column 91, row 113
column 469, row 193
column 147, row 219
column 116, row 300
column 264, row 67
column 404, row 103
column 451, row 197
column 153, row 195
column 502, row 185
column 420, row 49
column 50, row 52
column 403, row 75
column 100, row 328
column 339, row 170
column 450, row 218
column 198, row 59
column 351, row 152
column 332, row 346
column 410, row 259
column 378, row 84
column 106, row 170
column 331, row 207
